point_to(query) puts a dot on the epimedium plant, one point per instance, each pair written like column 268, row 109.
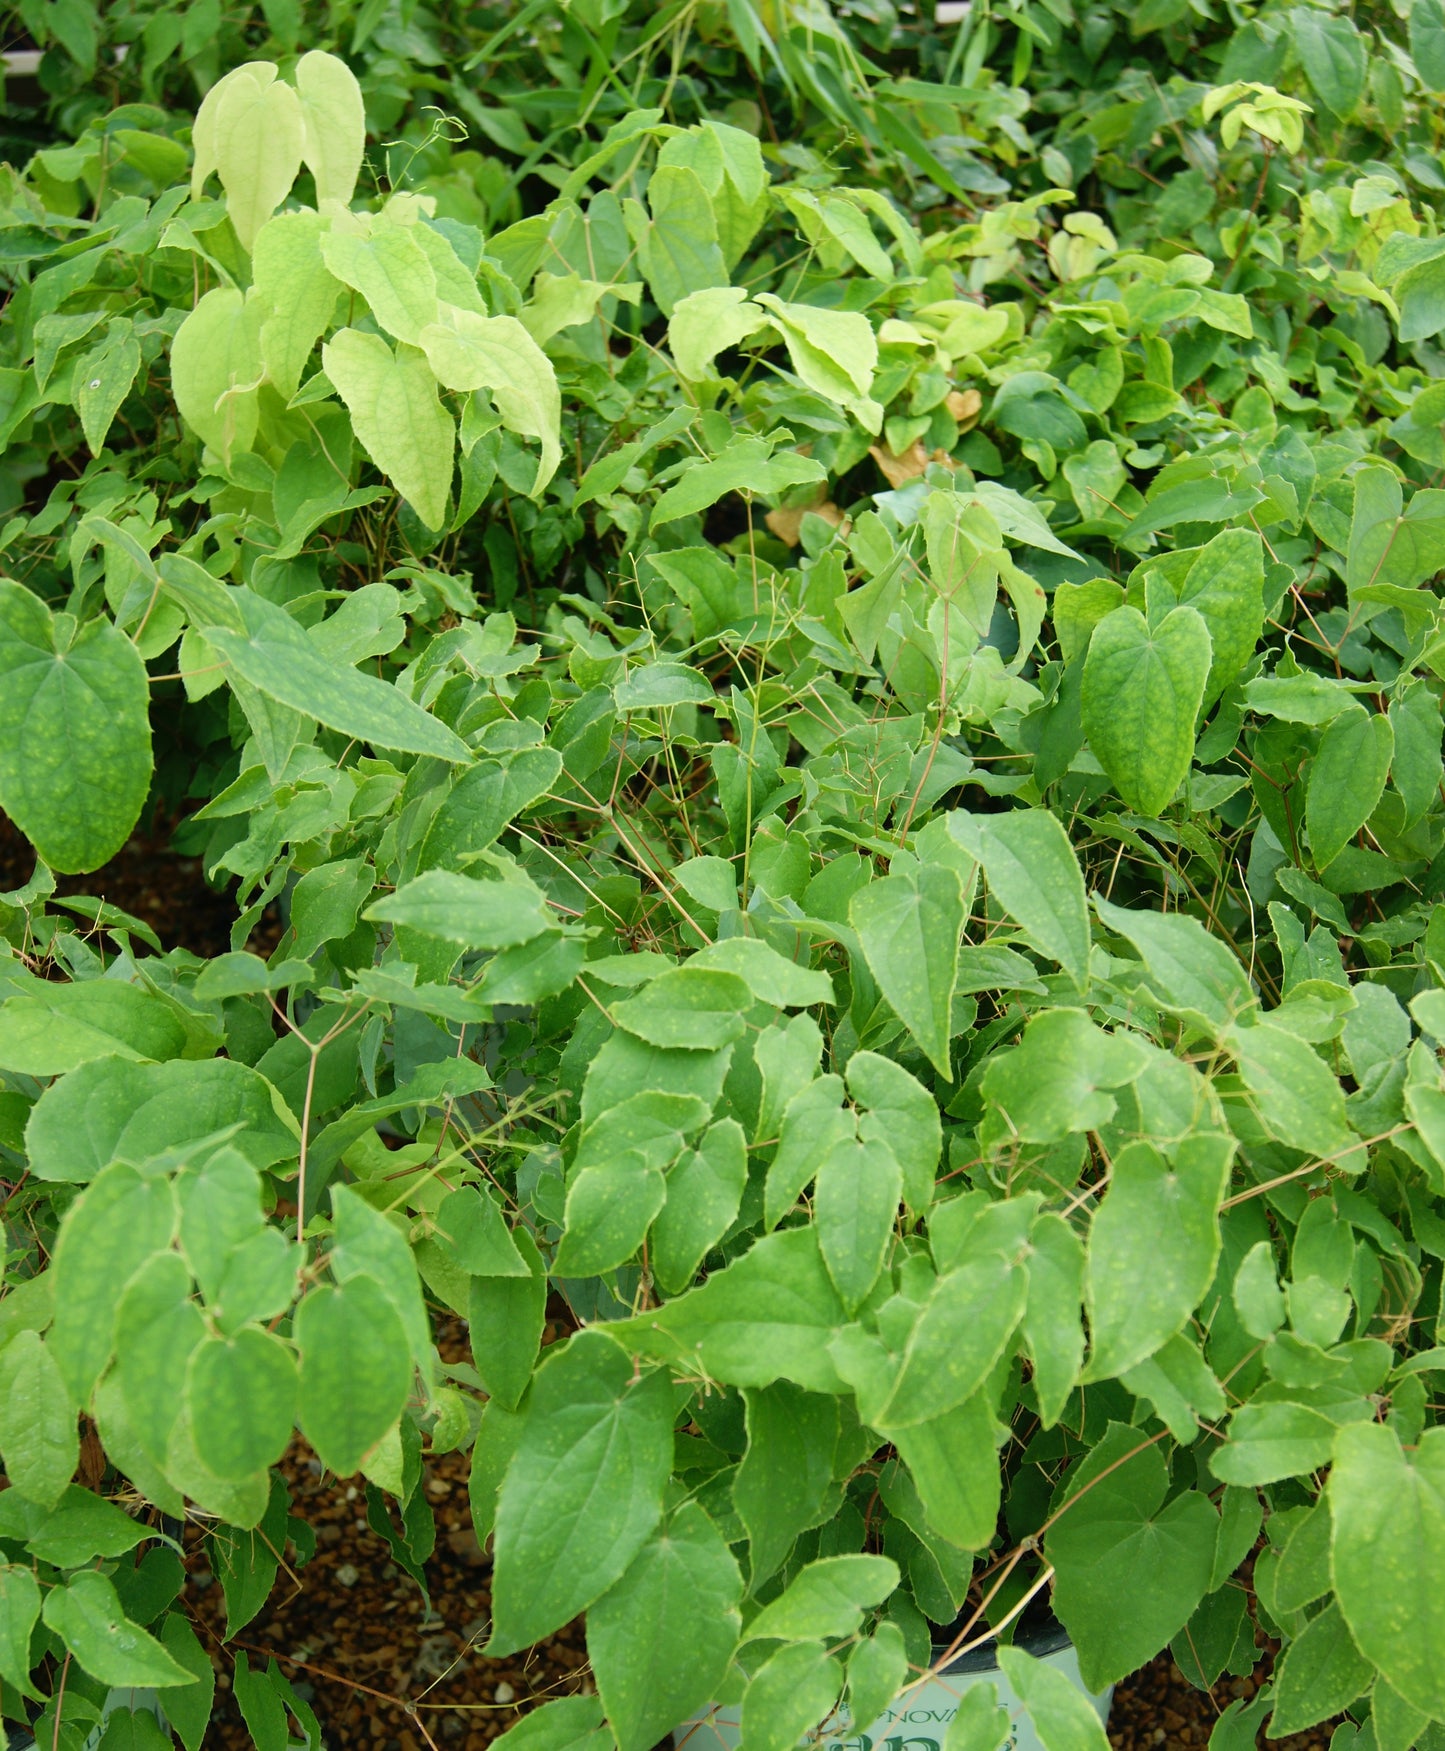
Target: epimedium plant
column 856, row 790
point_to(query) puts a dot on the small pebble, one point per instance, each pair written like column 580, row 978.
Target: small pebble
column 504, row 1692
column 348, row 1575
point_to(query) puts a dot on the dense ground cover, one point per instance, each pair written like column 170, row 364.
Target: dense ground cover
column 823, row 627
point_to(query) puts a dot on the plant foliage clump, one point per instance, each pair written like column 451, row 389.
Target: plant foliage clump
column 826, row 629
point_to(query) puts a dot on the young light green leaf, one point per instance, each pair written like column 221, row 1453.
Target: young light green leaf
column 383, row 261
column 496, row 354
column 1143, row 687
column 255, row 134
column 584, row 1490
column 746, row 465
column 661, row 1638
column 333, row 125
column 910, row 927
column 709, row 322
column 298, row 293
column 75, row 741
column 395, row 412
column 1033, row 873
column 1153, row 1246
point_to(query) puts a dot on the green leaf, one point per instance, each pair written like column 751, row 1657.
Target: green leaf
column 242, row 1395
column 961, row 1332
column 1347, row 779
column 19, row 1611
column 395, row 412
column 1033, row 873
column 1293, row 1092
column 900, row 1113
column 1062, row 1716
column 1053, row 1331
column 704, row 1192
column 834, row 351
column 82, row 1527
column 855, row 1203
column 1321, row 1674
column 1388, row 1513
column 1332, row 54
column 690, row 1007
column 113, row 1228
column 770, row 976
column 101, row 382
column 75, row 743
column 1226, row 585
column 826, row 1599
column 496, row 354
column 656, row 686
column 789, row 1695
column 979, row 1724
column 1130, row 1570
column 567, row 1723
column 609, row 1210
column 678, row 248
column 113, row 1109
column 461, row 909
column 953, row 1460
column 470, row 1226
column 215, row 369
column 38, row 1438
column 1191, row 973
column 1143, row 687
column 1053, row 1081
column 785, row 1473
column 584, row 1490
column 1153, row 1246
column 157, row 1328
column 188, row 1707
column 1427, row 42
column 86, row 1614
column 272, row 651
column 877, row 1671
column 1268, row 1442
column 909, row 927
column 767, row 1316
column 356, row 1370
column 746, row 465
column 1416, row 769
column 53, row 1028
column 660, row 1640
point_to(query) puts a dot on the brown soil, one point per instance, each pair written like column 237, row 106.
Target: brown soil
column 148, row 880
